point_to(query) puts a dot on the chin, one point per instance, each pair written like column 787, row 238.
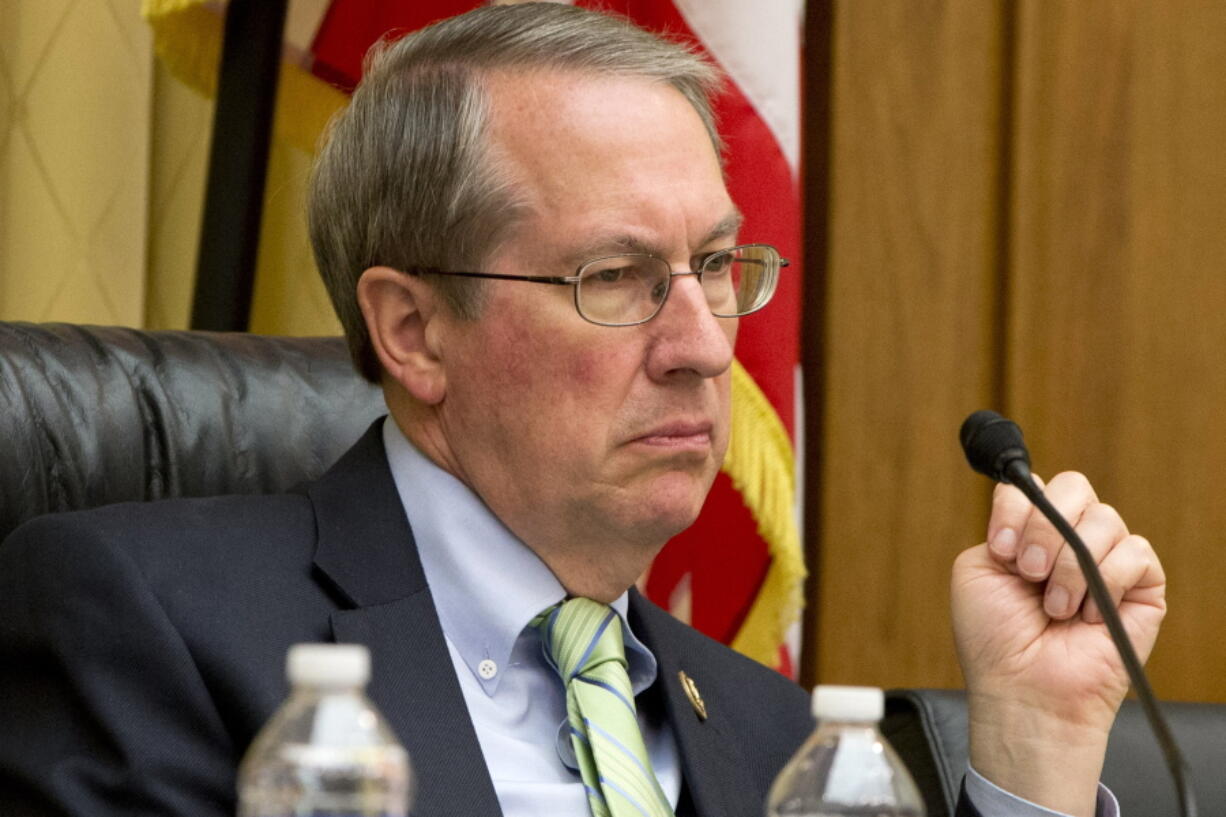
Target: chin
column 671, row 504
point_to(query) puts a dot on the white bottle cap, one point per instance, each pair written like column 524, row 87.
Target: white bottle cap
column 860, row 704
column 328, row 664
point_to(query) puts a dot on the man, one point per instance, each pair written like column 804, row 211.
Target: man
column 510, row 217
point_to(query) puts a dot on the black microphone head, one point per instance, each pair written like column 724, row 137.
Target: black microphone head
column 991, row 443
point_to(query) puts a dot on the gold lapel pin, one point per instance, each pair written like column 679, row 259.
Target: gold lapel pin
column 691, row 692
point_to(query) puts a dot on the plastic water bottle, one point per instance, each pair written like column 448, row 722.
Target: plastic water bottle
column 327, row 752
column 846, row 768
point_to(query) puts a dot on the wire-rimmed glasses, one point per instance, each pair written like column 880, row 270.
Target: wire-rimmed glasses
column 629, row 289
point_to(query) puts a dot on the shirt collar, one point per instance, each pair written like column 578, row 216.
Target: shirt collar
column 486, row 583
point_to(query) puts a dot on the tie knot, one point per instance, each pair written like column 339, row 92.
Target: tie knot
column 580, row 634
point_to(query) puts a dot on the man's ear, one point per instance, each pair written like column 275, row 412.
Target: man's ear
column 401, row 313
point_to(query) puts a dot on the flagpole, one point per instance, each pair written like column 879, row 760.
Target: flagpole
column 816, row 80
column 238, row 164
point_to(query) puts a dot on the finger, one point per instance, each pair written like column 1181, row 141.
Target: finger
column 1010, row 510
column 1100, row 528
column 1070, row 493
column 1133, row 574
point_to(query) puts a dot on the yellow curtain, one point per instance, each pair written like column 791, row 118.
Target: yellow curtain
column 75, row 95
column 103, row 158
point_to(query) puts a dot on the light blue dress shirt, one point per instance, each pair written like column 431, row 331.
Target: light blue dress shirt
column 993, row 801
column 487, row 586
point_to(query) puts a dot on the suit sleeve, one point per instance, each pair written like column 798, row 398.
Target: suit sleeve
column 105, row 713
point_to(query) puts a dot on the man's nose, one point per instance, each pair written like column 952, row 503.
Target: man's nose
column 688, row 339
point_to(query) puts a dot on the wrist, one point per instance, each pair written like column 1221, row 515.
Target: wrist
column 1037, row 755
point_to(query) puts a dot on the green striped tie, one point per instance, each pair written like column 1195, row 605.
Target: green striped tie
column 583, row 642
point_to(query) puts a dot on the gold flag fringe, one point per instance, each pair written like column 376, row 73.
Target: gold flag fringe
column 761, row 465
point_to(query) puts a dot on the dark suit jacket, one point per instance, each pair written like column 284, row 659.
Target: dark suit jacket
column 142, row 646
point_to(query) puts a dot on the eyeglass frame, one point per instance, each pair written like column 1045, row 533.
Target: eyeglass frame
column 577, row 278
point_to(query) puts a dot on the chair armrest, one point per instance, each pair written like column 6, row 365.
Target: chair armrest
column 928, row 729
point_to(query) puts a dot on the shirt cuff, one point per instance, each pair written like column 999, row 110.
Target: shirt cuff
column 993, row 801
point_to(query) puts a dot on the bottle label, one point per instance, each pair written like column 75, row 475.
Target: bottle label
column 858, row 773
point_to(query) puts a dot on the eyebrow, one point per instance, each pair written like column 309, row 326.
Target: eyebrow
column 729, row 225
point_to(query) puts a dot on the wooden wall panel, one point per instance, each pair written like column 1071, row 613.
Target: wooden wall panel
column 914, row 206
column 1117, row 287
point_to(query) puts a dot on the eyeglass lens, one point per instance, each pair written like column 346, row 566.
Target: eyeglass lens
column 627, row 289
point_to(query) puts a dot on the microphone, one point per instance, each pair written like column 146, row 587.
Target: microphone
column 993, row 446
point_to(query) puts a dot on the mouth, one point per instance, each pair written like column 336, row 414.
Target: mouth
column 678, row 436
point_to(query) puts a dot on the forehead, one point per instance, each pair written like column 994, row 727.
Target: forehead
column 594, row 155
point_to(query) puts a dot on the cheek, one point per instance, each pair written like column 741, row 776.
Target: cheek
column 529, row 379
column 538, row 390
column 511, row 362
column 600, row 382
column 589, row 369
column 560, row 367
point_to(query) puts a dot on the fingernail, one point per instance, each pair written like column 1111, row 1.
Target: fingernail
column 1004, row 543
column 1033, row 561
column 1056, row 603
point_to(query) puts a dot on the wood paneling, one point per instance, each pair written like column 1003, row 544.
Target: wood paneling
column 1118, row 287
column 913, row 253
column 1024, row 211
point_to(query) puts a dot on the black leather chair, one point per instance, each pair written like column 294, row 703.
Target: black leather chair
column 928, row 728
column 95, row 415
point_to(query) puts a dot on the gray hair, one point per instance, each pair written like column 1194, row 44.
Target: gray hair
column 404, row 178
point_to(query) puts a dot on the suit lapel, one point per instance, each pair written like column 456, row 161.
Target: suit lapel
column 367, row 556
column 711, row 762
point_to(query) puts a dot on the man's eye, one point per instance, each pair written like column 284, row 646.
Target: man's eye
column 611, row 276
column 716, row 262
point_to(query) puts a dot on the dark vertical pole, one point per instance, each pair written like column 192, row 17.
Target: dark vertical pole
column 817, row 82
column 1004, row 210
column 238, row 163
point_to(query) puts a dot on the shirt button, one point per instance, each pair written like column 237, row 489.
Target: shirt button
column 487, row 669
column 566, row 747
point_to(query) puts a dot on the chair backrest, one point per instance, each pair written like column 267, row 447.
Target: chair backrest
column 95, row 415
column 928, row 728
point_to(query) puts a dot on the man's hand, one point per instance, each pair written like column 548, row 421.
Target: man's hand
column 1043, row 677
